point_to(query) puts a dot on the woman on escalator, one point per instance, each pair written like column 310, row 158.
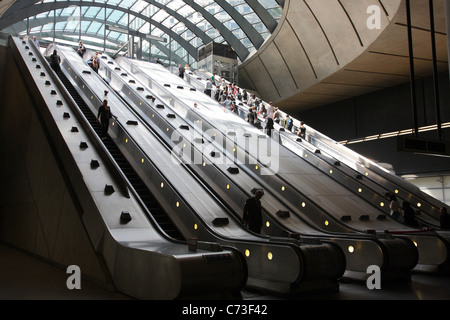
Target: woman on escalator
column 394, row 206
column 81, row 49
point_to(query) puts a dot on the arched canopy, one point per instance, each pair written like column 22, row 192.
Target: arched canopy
column 184, row 25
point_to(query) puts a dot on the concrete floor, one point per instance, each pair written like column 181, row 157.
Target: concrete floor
column 24, row 277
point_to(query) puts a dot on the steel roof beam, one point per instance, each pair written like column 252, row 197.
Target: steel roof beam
column 232, row 40
column 49, row 6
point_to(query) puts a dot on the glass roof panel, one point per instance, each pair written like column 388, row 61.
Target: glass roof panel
column 203, row 3
column 113, row 2
column 222, row 16
column 243, row 9
column 170, row 21
column 135, row 23
column 175, row 4
column 145, row 28
column 126, row 4
column 160, row 15
column 84, row 25
column 115, row 16
column 186, row 11
column 268, row 3
column 157, row 32
column 95, row 27
column 139, row 6
column 92, row 12
column 235, row 2
column 43, row 15
column 179, row 28
column 276, row 13
column 213, row 33
column 47, row 27
column 141, row 15
column 69, row 11
column 60, row 26
column 252, row 18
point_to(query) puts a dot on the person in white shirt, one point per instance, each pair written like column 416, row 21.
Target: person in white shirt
column 208, row 88
column 269, row 119
column 36, row 42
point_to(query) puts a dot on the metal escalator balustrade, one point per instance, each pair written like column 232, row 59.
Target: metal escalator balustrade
column 137, row 98
column 385, row 181
column 425, row 240
column 254, row 165
column 348, row 243
column 227, row 273
column 421, row 241
column 212, row 131
column 370, row 177
column 263, row 254
column 157, row 117
column 369, row 195
column 363, row 168
column 335, row 170
column 372, row 171
column 149, row 200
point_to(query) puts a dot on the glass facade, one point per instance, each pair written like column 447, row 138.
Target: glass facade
column 185, row 25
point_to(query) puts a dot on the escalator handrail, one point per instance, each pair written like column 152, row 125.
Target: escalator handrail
column 116, row 172
column 318, row 207
column 128, row 184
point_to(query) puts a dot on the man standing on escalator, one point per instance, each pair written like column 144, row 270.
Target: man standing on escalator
column 269, row 119
column 252, row 216
column 104, row 114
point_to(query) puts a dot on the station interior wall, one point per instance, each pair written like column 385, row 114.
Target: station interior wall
column 38, row 213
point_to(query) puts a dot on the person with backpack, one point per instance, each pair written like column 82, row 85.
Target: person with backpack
column 289, row 123
column 81, row 49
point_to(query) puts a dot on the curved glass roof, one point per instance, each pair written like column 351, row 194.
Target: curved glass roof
column 171, row 30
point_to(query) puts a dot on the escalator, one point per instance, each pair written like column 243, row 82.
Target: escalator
column 336, row 181
column 280, row 266
column 149, row 200
column 138, row 257
column 366, row 174
column 233, row 185
column 368, row 182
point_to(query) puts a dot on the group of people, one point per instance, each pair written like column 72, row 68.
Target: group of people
column 405, row 211
column 409, row 214
column 271, row 115
column 252, row 213
column 104, row 111
column 227, row 94
column 34, row 39
column 93, row 61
